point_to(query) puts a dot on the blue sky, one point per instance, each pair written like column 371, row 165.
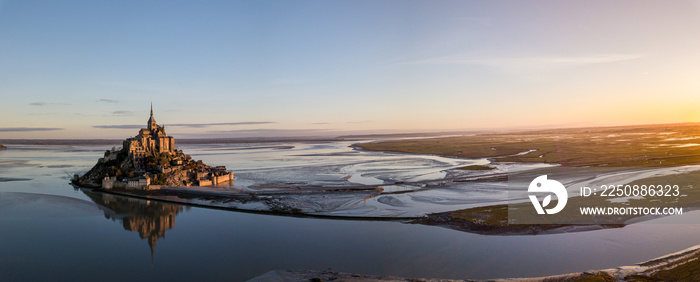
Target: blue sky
column 89, row 69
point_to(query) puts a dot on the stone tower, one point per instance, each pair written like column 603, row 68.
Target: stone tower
column 152, row 121
column 150, row 141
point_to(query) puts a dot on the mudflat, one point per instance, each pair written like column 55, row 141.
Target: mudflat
column 621, row 146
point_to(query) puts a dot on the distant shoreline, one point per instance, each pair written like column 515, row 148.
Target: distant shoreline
column 237, row 140
column 118, row 142
column 349, row 137
column 354, row 137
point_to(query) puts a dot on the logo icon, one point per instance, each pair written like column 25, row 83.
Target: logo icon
column 542, row 184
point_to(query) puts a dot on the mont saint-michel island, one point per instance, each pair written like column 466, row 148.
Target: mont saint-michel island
column 150, row 161
column 350, row 140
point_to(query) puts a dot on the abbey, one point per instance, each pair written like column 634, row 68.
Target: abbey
column 148, row 142
column 150, row 161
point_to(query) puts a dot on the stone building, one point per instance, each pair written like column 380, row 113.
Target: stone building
column 149, row 141
column 214, row 177
column 141, row 182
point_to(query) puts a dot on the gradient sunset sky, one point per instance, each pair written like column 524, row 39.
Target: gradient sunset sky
column 89, row 69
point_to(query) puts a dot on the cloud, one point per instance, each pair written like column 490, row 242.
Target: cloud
column 191, row 125
column 41, row 104
column 28, row 129
column 258, row 130
column 119, row 126
column 123, row 113
column 271, row 133
column 201, row 125
column 530, row 61
column 359, row 121
column 112, row 101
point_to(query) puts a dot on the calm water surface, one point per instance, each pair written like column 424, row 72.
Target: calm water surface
column 52, row 231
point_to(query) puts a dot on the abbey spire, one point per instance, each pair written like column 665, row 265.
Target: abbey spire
column 152, row 121
column 150, row 141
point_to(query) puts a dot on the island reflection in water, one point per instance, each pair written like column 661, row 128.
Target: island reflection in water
column 149, row 218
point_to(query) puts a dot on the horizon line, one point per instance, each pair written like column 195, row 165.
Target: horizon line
column 361, row 134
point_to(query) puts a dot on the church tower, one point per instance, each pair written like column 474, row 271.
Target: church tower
column 149, row 141
column 152, row 121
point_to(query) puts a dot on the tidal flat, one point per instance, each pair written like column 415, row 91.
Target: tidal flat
column 347, row 232
column 621, row 146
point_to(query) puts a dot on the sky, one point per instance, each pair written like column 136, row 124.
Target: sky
column 90, row 69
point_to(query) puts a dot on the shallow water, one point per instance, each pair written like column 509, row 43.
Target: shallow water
column 52, row 231
column 339, row 164
column 330, row 163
